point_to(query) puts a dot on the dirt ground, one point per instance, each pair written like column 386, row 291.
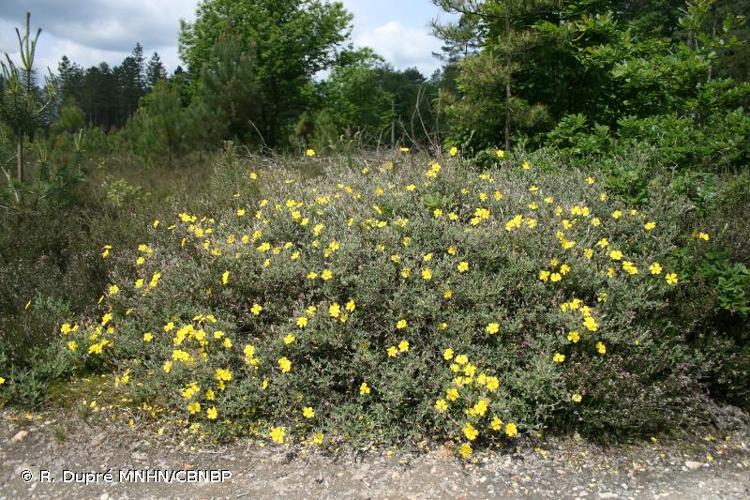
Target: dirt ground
column 58, row 455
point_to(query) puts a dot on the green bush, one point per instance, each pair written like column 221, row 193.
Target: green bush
column 370, row 295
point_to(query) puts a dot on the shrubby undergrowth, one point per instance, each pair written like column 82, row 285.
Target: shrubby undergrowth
column 407, row 298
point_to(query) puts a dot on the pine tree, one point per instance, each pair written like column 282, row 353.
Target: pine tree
column 20, row 107
column 155, row 71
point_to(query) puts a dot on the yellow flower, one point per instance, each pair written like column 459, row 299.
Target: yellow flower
column 649, row 225
column 448, row 354
column 462, row 359
column 492, row 328
column 223, row 375
column 555, row 277
column 277, row 435
column 671, row 279
column 194, row 407
column 470, row 431
column 441, row 405
column 465, row 450
column 401, row 324
column 351, row 305
column 496, row 424
column 629, row 267
column 616, row 214
column 451, row 394
column 148, row 337
column 225, row 278
column 558, row 357
column 392, row 351
column 256, row 309
column 615, row 255
column 113, row 290
column 462, row 267
column 574, row 336
column 500, row 153
column 655, row 268
column 403, row 346
column 302, row 322
column 310, row 152
column 492, row 383
column 453, row 151
column 2, row 380
column 308, row 412
column 427, row 274
column 289, row 339
column 334, row 310
column 364, row 389
column 576, row 398
column 212, row 413
column 480, row 408
column 154, row 280
column 511, row 430
column 326, row 275
column 284, row 364
column 590, row 323
column 601, row 348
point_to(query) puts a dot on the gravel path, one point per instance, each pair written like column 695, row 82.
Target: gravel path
column 696, row 468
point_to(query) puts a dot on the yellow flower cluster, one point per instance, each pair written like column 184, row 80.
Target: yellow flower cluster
column 471, row 393
column 306, row 234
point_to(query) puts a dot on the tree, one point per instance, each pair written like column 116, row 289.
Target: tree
column 230, row 88
column 158, row 123
column 504, row 29
column 21, row 108
column 70, row 119
column 354, row 96
column 291, row 41
column 155, row 71
column 131, row 83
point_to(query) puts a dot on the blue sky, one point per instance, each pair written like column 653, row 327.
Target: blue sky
column 90, row 31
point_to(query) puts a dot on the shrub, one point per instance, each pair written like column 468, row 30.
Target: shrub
column 397, row 301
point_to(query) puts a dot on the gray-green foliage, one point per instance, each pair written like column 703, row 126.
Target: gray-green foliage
column 368, row 226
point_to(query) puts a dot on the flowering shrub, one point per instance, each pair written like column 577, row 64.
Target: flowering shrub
column 404, row 301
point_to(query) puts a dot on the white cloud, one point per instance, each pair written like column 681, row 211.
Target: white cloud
column 92, row 31
column 96, row 30
column 402, row 46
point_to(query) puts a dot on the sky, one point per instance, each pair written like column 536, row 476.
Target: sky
column 92, row 31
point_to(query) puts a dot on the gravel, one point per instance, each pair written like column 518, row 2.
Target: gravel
column 77, row 455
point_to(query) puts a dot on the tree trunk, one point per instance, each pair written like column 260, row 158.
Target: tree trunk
column 507, row 81
column 19, row 156
column 393, row 122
